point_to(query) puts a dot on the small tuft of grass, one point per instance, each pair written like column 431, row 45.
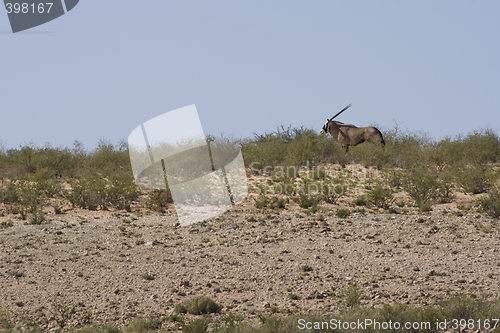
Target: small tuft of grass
column 148, row 277
column 6, row 224
column 274, row 202
column 274, row 309
column 352, row 295
column 306, row 268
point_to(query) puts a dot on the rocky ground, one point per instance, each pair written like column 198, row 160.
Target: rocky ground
column 112, row 266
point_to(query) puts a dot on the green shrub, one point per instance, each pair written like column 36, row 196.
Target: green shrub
column 447, row 184
column 158, row 200
column 122, row 191
column 55, row 163
column 290, row 146
column 58, row 208
column 472, row 179
column 261, row 201
column 198, row 305
column 278, row 203
column 480, row 147
column 273, row 202
column 343, row 213
column 62, row 312
column 425, row 206
column 361, row 200
column 232, row 318
column 331, row 193
column 380, row 196
column 307, row 201
column 30, row 195
column 402, row 150
column 9, row 193
column 38, row 216
column 199, row 325
column 141, row 325
column 274, row 309
column 371, row 154
column 30, row 198
column 421, row 183
column 28, row 160
column 88, row 192
column 5, row 322
column 491, row 204
column 465, row 307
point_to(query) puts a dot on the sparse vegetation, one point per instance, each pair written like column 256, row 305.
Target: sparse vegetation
column 273, row 202
column 449, row 309
column 415, row 172
column 428, row 170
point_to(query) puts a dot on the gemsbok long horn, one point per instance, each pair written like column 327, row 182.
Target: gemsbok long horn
column 347, row 107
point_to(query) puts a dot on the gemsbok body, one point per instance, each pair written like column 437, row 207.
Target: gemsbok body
column 350, row 135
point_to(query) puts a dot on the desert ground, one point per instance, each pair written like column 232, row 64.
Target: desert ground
column 84, row 267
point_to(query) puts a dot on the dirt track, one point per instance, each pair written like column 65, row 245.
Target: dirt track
column 114, row 267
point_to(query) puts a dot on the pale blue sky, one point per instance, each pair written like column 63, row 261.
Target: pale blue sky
column 249, row 66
